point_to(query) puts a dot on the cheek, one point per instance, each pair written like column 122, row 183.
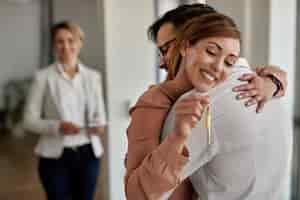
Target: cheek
column 225, row 74
column 193, row 75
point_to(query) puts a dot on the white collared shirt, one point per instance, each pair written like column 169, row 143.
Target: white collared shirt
column 73, row 102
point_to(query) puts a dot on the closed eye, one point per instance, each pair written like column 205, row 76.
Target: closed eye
column 211, row 52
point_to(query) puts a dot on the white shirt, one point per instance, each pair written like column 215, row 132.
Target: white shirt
column 250, row 154
column 73, row 103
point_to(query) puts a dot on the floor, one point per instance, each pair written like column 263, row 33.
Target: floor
column 19, row 178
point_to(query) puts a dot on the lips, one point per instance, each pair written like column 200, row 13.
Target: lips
column 210, row 77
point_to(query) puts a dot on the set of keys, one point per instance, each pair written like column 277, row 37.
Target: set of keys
column 208, row 124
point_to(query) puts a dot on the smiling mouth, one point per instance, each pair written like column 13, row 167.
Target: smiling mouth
column 208, row 76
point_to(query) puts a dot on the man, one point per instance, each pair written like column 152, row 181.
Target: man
column 241, row 155
column 270, row 82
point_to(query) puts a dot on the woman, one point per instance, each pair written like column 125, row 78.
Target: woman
column 65, row 106
column 153, row 168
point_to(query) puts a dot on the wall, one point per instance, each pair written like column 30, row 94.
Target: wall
column 297, row 72
column 130, row 66
column 282, row 40
column 20, row 40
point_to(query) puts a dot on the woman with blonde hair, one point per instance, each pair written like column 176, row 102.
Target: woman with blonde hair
column 65, row 107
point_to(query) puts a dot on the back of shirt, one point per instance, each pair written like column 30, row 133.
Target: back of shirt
column 250, row 154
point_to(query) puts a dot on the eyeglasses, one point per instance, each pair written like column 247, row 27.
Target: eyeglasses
column 163, row 49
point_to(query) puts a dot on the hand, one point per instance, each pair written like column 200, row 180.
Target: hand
column 99, row 130
column 188, row 112
column 258, row 90
column 69, row 128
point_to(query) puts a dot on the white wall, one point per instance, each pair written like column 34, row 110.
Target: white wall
column 282, row 39
column 20, row 40
column 130, row 66
column 297, row 73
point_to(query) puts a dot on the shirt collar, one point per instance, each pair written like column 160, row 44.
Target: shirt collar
column 60, row 68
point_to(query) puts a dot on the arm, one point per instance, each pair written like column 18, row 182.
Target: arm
column 33, row 120
column 97, row 119
column 152, row 169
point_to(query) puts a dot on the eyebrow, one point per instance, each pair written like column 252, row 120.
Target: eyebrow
column 221, row 48
column 166, row 43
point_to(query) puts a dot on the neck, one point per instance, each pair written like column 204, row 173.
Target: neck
column 70, row 67
column 69, row 64
column 182, row 81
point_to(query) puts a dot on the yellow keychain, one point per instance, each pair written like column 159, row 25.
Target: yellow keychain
column 208, row 125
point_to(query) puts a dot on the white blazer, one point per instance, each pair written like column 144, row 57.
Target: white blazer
column 42, row 111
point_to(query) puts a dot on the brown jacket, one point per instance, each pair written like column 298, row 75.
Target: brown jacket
column 154, row 168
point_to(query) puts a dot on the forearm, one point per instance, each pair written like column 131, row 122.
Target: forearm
column 42, row 126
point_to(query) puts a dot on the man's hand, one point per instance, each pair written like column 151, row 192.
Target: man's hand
column 188, row 112
column 68, row 128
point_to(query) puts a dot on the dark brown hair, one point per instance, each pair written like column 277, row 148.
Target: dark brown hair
column 198, row 28
column 178, row 16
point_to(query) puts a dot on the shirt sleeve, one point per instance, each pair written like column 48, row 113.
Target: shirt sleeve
column 152, row 168
column 99, row 116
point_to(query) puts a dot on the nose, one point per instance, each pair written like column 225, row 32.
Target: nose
column 218, row 67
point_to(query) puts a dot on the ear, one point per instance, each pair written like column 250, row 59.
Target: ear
column 183, row 48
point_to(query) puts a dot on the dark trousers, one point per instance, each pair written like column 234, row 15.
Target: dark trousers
column 72, row 176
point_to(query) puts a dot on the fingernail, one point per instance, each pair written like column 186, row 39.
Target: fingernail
column 259, row 111
column 239, row 96
column 235, row 89
column 248, row 104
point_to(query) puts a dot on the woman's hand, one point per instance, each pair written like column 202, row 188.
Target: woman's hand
column 69, row 128
column 188, row 112
column 258, row 90
column 98, row 130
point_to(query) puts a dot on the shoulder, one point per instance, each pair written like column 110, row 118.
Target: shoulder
column 44, row 73
column 153, row 97
column 91, row 73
